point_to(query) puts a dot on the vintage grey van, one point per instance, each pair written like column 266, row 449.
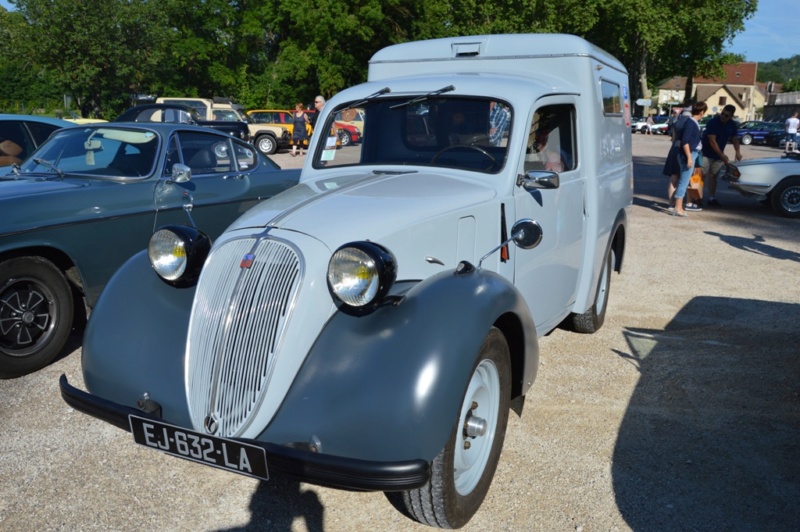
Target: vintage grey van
column 371, row 327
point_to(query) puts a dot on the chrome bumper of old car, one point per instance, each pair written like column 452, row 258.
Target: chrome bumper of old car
column 302, row 464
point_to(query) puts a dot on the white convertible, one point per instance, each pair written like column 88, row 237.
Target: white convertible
column 774, row 181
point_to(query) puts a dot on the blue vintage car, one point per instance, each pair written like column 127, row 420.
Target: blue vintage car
column 88, row 199
column 372, row 327
column 756, row 131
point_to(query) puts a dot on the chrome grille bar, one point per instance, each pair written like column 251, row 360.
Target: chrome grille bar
column 238, row 318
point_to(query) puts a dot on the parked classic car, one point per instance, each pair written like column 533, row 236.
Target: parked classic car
column 348, row 133
column 267, row 138
column 773, row 181
column 756, row 131
column 88, row 199
column 182, row 114
column 369, row 328
column 20, row 135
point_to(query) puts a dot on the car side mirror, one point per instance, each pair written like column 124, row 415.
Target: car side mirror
column 180, row 173
column 526, row 234
column 538, row 179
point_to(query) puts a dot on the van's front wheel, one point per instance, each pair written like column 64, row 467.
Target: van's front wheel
column 462, row 472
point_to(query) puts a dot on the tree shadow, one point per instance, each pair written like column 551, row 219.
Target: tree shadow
column 277, row 503
column 711, row 437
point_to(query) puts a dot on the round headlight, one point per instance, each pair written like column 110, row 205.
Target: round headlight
column 177, row 254
column 360, row 274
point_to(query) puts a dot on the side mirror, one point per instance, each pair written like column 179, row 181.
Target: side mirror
column 537, row 179
column 180, row 173
column 526, row 234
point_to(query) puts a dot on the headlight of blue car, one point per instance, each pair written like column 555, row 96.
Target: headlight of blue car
column 360, row 275
column 177, row 254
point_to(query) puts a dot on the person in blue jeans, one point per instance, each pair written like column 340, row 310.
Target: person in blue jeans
column 689, row 155
column 719, row 130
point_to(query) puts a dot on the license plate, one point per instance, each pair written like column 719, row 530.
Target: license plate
column 230, row 455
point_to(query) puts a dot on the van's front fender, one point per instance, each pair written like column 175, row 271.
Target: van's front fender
column 389, row 385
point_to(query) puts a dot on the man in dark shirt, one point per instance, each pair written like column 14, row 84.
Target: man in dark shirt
column 719, row 130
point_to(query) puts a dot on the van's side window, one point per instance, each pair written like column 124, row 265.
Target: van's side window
column 551, row 141
column 612, row 98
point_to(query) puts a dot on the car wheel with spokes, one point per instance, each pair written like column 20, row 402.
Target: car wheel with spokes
column 462, row 472
column 785, row 197
column 747, row 139
column 36, row 312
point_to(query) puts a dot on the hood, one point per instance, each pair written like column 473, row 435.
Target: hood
column 365, row 206
column 28, row 186
column 770, row 160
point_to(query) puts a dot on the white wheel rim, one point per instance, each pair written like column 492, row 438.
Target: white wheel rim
column 484, row 391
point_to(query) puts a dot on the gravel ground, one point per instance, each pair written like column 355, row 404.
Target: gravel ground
column 682, row 413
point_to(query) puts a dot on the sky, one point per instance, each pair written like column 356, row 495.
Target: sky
column 773, row 33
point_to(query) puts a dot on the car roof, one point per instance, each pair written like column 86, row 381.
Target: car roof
column 163, row 128
column 38, row 119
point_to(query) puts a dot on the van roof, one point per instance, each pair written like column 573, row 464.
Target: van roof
column 510, row 46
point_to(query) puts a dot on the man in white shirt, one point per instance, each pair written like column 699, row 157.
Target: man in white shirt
column 791, row 132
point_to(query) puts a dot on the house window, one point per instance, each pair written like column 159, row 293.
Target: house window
column 723, row 100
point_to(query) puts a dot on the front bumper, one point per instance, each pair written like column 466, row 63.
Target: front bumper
column 304, row 465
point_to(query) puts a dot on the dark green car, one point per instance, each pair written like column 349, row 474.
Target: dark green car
column 88, row 199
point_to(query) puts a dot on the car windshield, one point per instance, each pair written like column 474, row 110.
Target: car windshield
column 112, row 152
column 444, row 131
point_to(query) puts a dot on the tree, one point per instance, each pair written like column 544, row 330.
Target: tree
column 96, row 50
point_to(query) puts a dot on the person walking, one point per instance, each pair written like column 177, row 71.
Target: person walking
column 718, row 131
column 687, row 152
column 792, row 123
column 650, row 123
column 299, row 133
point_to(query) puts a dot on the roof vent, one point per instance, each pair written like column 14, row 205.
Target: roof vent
column 466, row 49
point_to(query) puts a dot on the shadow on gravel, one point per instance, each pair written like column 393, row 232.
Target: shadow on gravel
column 711, row 437
column 275, row 505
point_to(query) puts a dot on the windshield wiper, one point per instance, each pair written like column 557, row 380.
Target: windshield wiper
column 424, row 97
column 393, row 172
column 50, row 165
column 369, row 98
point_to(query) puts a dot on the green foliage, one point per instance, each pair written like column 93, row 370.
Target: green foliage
column 784, row 71
column 275, row 53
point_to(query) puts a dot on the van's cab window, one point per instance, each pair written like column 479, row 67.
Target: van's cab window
column 551, row 140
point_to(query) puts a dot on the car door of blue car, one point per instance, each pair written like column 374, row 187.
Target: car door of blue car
column 225, row 181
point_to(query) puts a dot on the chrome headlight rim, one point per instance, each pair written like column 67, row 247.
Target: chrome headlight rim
column 194, row 246
column 385, row 272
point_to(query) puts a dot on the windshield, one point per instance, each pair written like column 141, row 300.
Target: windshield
column 446, row 131
column 105, row 151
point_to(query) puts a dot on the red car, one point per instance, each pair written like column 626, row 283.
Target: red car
column 348, row 134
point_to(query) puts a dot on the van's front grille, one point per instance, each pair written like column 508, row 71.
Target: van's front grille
column 240, row 312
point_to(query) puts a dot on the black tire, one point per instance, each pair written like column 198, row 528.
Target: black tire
column 266, row 144
column 590, row 321
column 461, row 476
column 747, row 139
column 36, row 314
column 785, row 198
column 345, row 137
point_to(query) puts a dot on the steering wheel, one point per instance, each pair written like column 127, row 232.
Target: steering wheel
column 492, row 160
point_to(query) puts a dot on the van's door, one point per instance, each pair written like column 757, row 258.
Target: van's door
column 548, row 275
